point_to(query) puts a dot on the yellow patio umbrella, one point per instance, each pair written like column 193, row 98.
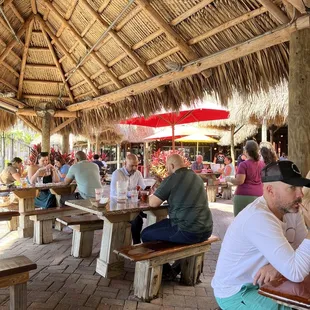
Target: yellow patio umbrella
column 197, row 137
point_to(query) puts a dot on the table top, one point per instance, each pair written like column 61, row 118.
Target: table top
column 44, row 186
column 291, row 293
column 114, row 207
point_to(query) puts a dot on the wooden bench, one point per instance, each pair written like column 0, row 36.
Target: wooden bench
column 14, row 273
column 10, row 213
column 43, row 222
column 83, row 232
column 151, row 256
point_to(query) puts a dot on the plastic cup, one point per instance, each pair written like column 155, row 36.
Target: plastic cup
column 134, row 196
column 144, row 196
column 23, row 182
column 121, row 189
column 98, row 193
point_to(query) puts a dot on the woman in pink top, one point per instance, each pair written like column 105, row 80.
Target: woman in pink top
column 248, row 178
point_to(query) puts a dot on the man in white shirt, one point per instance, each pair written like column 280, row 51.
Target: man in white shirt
column 130, row 173
column 267, row 239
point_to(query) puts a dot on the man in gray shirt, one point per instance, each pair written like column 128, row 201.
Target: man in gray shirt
column 86, row 175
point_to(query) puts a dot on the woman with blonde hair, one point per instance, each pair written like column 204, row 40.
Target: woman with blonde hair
column 248, row 178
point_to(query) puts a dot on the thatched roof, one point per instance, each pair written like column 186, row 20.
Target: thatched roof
column 111, row 59
column 247, row 131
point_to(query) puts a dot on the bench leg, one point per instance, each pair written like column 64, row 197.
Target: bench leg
column 18, row 296
column 43, row 233
column 25, row 229
column 191, row 268
column 147, row 280
column 226, row 194
column 211, row 193
column 82, row 243
column 13, row 223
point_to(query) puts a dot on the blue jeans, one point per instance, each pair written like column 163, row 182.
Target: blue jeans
column 164, row 231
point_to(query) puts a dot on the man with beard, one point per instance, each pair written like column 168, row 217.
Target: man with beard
column 267, row 238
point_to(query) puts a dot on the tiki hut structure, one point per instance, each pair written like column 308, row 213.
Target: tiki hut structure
column 71, row 63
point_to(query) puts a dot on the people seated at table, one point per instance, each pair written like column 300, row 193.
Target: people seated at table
column 227, row 171
column 130, row 173
column 267, row 239
column 86, row 175
column 41, row 173
column 219, row 157
column 247, row 178
column 190, row 219
column 197, row 165
column 13, row 171
column 61, row 168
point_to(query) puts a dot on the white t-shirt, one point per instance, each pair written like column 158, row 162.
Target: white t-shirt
column 123, row 175
column 255, row 238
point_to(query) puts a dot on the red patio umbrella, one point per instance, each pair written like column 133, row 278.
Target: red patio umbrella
column 202, row 112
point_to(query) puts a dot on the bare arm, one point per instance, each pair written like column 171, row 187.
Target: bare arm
column 34, row 172
column 154, row 201
column 68, row 181
column 238, row 180
column 16, row 176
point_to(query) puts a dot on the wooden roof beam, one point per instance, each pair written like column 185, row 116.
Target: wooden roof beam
column 20, row 32
column 58, row 113
column 79, row 38
column 16, row 13
column 71, row 9
column 8, row 106
column 29, row 123
column 229, row 24
column 271, row 38
column 24, row 59
column 119, row 40
column 44, row 97
column 64, row 51
column 34, row 6
column 128, row 18
column 63, row 125
column 275, row 11
column 190, row 12
column 14, row 102
column 55, row 59
column 148, row 39
column 4, row 64
column 7, row 84
column 170, row 33
column 298, row 5
column 12, row 52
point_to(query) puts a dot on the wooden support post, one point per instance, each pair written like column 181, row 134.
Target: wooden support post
column 232, row 144
column 82, row 242
column 264, row 130
column 46, row 132
column 18, row 296
column 97, row 147
column 191, row 268
column 118, row 156
column 43, row 233
column 146, row 159
column 299, row 94
column 65, row 143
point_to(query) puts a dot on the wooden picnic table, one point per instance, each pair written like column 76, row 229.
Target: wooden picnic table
column 116, row 233
column 26, row 196
column 288, row 293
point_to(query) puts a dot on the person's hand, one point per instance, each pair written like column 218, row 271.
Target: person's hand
column 265, row 274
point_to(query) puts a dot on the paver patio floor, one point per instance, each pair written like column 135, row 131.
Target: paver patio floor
column 64, row 282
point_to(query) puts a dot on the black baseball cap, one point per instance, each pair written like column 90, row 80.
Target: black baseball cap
column 284, row 171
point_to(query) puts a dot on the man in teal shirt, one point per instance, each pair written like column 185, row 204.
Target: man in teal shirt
column 190, row 219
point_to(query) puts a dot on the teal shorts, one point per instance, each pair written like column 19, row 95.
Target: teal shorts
column 249, row 299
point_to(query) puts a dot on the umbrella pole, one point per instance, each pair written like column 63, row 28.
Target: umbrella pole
column 197, row 148
column 173, row 143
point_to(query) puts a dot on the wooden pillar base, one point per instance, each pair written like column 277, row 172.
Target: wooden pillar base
column 82, row 243
column 226, row 192
column 25, row 229
column 110, row 270
column 211, row 192
column 18, row 296
column 59, row 226
column 191, row 268
column 13, row 223
column 43, row 233
column 147, row 280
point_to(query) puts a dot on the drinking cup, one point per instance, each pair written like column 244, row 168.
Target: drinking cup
column 134, row 195
column 23, row 182
column 144, row 196
column 98, row 193
column 121, row 189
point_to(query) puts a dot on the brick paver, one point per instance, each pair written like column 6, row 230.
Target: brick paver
column 64, row 282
